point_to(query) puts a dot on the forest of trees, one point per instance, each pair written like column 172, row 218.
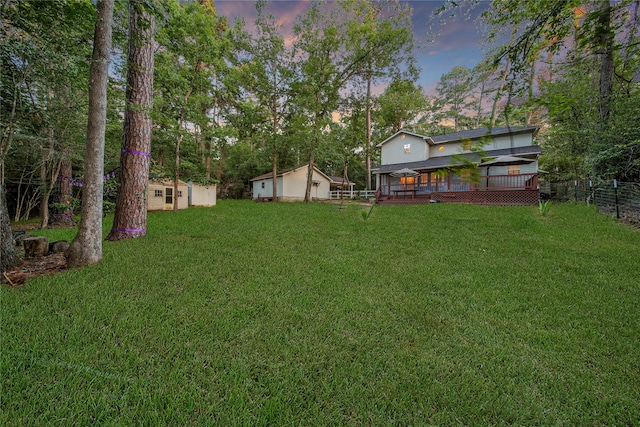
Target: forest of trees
column 232, row 100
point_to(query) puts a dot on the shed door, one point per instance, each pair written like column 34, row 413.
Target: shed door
column 168, row 198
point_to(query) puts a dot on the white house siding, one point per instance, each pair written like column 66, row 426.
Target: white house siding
column 393, row 151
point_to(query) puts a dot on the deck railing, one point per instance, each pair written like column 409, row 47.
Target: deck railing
column 351, row 194
column 528, row 181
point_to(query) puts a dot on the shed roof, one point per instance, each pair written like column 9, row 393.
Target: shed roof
column 269, row 175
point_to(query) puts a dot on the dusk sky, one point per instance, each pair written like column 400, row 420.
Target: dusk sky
column 458, row 42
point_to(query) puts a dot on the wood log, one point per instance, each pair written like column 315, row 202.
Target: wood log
column 35, row 246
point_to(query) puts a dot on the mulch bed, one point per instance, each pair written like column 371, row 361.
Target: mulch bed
column 34, row 267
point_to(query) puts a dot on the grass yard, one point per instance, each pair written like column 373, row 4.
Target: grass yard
column 299, row 314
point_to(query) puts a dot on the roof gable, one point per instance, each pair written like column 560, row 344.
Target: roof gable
column 406, row 132
column 282, row 173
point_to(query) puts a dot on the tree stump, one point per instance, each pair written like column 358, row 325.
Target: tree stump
column 35, row 246
column 59, row 246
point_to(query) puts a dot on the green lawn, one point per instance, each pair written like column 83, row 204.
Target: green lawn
column 300, row 314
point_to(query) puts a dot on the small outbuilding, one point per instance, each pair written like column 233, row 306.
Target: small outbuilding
column 291, row 185
column 202, row 195
column 161, row 195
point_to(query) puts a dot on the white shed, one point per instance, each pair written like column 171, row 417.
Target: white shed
column 160, row 195
column 291, row 185
column 202, row 195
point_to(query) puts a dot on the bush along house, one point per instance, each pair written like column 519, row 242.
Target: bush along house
column 497, row 166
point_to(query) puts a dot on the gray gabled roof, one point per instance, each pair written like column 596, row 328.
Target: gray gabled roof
column 482, row 132
column 468, row 134
column 448, row 161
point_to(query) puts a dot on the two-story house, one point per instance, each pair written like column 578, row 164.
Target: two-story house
column 482, row 166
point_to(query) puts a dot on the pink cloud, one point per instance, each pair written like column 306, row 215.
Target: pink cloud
column 458, row 41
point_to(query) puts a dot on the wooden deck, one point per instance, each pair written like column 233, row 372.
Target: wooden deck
column 521, row 189
column 489, row 197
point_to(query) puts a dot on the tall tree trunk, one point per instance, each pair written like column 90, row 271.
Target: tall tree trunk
column 605, row 48
column 345, row 175
column 49, row 183
column 532, row 76
column 307, row 193
column 181, row 120
column 86, row 248
column 64, row 181
column 130, row 219
column 274, row 175
column 479, row 112
column 274, row 115
column 494, row 109
column 208, row 160
column 176, row 171
column 6, row 135
column 8, row 258
column 628, row 57
column 46, row 186
column 368, row 146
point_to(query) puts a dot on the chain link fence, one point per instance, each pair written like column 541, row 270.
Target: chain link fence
column 619, row 200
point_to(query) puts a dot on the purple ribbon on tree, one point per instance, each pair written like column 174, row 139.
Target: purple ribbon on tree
column 129, row 230
column 77, row 183
column 140, row 153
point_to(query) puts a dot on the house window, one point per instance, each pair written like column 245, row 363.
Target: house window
column 262, row 184
column 407, row 148
column 179, row 193
column 440, row 180
column 407, row 180
column 158, row 193
column 424, row 178
column 514, row 170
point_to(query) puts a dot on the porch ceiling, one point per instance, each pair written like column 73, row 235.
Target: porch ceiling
column 447, row 161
